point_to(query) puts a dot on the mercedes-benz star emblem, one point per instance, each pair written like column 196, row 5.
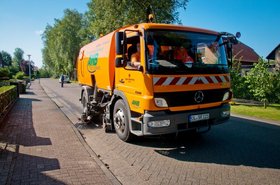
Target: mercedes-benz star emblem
column 198, row 96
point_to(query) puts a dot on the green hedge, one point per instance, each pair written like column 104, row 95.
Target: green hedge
column 4, row 83
column 6, row 88
column 8, row 95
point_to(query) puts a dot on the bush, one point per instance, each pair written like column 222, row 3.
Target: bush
column 239, row 87
column 20, row 75
column 44, row 73
column 8, row 95
column 13, row 71
column 6, row 88
column 4, row 72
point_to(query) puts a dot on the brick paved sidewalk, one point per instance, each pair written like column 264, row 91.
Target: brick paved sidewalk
column 38, row 145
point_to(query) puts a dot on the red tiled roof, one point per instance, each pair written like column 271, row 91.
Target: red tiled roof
column 244, row 53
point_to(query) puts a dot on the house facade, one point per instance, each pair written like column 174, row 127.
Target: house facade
column 274, row 57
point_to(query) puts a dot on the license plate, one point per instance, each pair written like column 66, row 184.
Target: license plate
column 199, row 117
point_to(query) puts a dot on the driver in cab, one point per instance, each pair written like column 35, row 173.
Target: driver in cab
column 135, row 57
column 181, row 54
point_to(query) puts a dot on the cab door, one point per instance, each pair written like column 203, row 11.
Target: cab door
column 129, row 79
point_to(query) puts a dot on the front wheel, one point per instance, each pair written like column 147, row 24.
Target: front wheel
column 121, row 121
column 85, row 113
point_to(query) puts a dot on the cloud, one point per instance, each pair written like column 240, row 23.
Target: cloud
column 39, row 32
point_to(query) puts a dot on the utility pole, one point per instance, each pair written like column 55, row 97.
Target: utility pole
column 29, row 67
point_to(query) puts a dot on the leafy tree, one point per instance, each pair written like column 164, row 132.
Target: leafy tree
column 44, row 72
column 4, row 72
column 105, row 16
column 18, row 57
column 6, row 58
column 275, row 92
column 239, row 87
column 259, row 81
column 13, row 70
column 48, row 38
column 1, row 60
column 62, row 43
column 20, row 75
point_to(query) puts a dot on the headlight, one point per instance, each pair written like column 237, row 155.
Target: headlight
column 225, row 113
column 161, row 123
column 226, row 96
column 160, row 102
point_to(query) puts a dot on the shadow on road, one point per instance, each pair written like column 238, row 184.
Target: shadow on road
column 17, row 131
column 238, row 142
column 30, row 93
column 27, row 169
column 18, row 127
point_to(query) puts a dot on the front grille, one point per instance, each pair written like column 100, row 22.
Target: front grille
column 175, row 99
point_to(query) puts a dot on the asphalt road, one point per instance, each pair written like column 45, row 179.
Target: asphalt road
column 237, row 152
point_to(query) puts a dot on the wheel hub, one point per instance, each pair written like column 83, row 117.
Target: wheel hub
column 119, row 120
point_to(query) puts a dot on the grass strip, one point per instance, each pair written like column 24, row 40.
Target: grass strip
column 272, row 112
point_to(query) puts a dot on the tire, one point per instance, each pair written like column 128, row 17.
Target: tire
column 84, row 102
column 121, row 121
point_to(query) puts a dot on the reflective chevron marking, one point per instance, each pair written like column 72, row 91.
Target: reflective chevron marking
column 165, row 81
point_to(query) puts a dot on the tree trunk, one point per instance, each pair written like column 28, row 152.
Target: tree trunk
column 265, row 103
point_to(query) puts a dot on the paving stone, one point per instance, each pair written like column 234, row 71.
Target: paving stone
column 39, row 140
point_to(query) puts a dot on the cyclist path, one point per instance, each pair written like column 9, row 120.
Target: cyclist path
column 39, row 145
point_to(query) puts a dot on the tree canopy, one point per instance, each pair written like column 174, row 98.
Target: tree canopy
column 1, row 59
column 6, row 58
column 105, row 16
column 259, row 81
column 63, row 40
column 18, row 56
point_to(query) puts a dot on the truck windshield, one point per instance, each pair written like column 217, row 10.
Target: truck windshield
column 181, row 52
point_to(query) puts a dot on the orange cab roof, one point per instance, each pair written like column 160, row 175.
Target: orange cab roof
column 168, row 26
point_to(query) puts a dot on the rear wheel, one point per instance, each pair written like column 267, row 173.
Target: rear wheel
column 121, row 121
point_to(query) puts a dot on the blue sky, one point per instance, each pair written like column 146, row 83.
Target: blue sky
column 22, row 21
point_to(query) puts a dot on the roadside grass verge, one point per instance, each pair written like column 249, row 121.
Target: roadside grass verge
column 272, row 112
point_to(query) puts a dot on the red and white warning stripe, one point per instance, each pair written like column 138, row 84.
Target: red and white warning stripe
column 164, row 81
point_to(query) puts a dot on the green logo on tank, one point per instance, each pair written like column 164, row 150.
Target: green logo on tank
column 92, row 62
column 136, row 103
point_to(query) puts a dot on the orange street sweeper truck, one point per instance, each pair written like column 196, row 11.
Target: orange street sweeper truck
column 153, row 79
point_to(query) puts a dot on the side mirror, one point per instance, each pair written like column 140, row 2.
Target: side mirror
column 238, row 35
column 229, row 40
column 119, row 43
column 233, row 39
